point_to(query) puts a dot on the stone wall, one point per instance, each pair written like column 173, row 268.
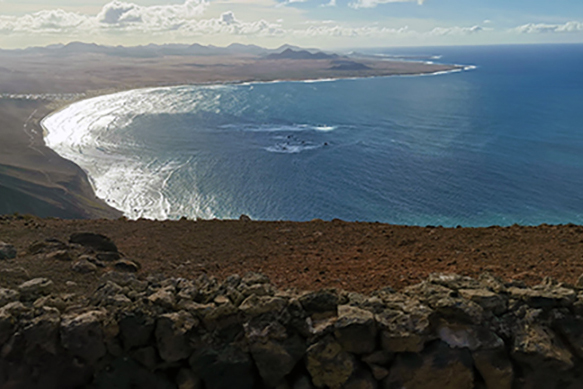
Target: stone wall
column 446, row 332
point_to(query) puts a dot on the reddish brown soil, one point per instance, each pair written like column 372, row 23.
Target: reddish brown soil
column 311, row 255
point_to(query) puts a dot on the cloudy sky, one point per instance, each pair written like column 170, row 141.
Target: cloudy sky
column 270, row 23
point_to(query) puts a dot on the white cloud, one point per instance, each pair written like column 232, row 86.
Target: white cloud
column 442, row 31
column 373, row 3
column 542, row 28
column 353, row 32
column 117, row 16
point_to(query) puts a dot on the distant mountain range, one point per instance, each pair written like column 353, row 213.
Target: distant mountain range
column 154, row 51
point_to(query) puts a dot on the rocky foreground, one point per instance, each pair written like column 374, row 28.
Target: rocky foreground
column 448, row 331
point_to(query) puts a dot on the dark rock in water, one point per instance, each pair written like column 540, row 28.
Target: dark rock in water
column 7, row 251
column 97, row 242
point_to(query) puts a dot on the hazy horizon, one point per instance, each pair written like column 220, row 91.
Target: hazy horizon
column 326, row 24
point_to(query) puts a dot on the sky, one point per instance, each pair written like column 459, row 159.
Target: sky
column 327, row 24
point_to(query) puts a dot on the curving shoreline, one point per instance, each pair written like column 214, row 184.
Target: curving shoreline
column 431, row 71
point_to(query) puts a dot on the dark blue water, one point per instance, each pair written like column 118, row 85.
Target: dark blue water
column 498, row 145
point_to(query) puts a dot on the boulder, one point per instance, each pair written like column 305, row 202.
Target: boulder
column 32, row 289
column 328, row 364
column 136, row 328
column 554, row 296
column 186, row 379
column 437, row 367
column 123, row 372
column 7, row 251
column 488, row 300
column 538, row 347
column 83, row 336
column 146, row 356
column 172, row 330
column 404, row 332
column 361, row 379
column 355, row 330
column 42, row 332
column 495, row 368
column 7, row 322
column 96, row 242
column 322, row 301
column 255, row 305
column 223, row 366
column 274, row 350
column 83, row 266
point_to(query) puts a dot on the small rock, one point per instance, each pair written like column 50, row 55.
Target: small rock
column 60, row 255
column 7, row 251
column 84, row 266
column 252, row 278
column 126, row 265
column 8, row 296
column 454, row 281
column 244, row 218
column 97, row 242
column 544, row 298
column 32, row 289
column 164, row 298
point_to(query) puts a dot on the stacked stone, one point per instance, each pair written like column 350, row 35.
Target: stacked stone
column 446, row 332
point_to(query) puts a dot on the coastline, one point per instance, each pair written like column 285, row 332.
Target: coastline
column 58, row 106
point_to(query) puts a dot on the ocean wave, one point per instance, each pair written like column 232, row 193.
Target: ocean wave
column 280, row 127
column 290, row 148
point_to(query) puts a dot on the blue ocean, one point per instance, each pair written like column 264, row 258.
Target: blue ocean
column 499, row 144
